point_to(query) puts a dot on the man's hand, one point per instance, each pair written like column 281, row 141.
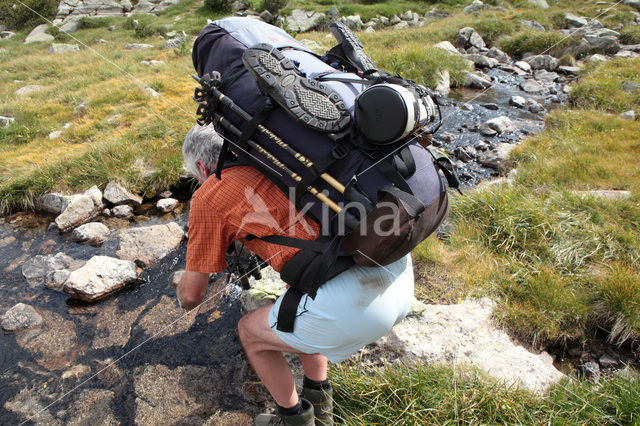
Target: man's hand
column 191, row 289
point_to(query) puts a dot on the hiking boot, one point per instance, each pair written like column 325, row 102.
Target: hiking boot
column 310, row 101
column 306, row 418
column 322, row 401
column 352, row 47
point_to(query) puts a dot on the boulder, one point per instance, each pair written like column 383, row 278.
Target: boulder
column 263, row 291
column 52, row 203
column 443, row 86
column 535, row 107
column 80, row 209
column 38, row 268
column 394, row 20
column 606, row 44
column 266, row 16
column 534, row 25
column 21, row 317
column 239, row 6
column 465, row 334
column 447, row 46
column 545, row 76
column 6, row 35
column 93, row 233
column 99, row 277
column 542, row 4
column 369, row 30
column 573, row 21
column 39, row 34
column 407, row 16
column 524, row 66
column 137, row 46
column 401, row 25
column 546, row 62
column 70, row 26
column 497, row 157
column 498, row 54
column 468, row 37
column 57, row 48
column 531, row 86
column 149, row 244
column 124, row 211
column 28, row 90
column 475, row 6
column 482, row 61
column 166, row 205
column 474, row 81
column 117, row 194
column 333, row 12
column 501, row 124
column 302, row 21
column 354, row 22
column 6, row 121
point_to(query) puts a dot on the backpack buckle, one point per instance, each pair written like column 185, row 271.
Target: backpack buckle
column 340, row 150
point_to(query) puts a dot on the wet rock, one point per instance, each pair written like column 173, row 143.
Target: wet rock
column 524, row 66
column 93, row 233
column 167, row 205
column 30, row 405
column 137, row 46
column 6, row 121
column 607, row 361
column 518, row 101
column 303, row 21
column 124, row 211
column 117, row 195
column 574, row 21
column 468, row 37
column 28, row 90
column 39, row 34
column 491, row 106
column 189, row 391
column 80, row 209
column 99, row 277
column 482, row 61
column 148, row 245
column 545, row 76
column 463, row 154
column 113, row 325
column 501, row 124
column 474, row 81
column 37, row 268
column 167, row 318
column 93, row 407
column 546, row 62
column 628, row 115
column 465, row 334
column 52, row 203
column 534, row 25
column 497, row 158
column 21, row 317
column 443, row 87
column 498, row 54
column 264, row 291
column 535, row 107
column 57, row 48
column 531, row 86
column 176, row 277
column 447, row 46
column 590, row 370
column 76, row 372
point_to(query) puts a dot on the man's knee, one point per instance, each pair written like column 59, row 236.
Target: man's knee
column 244, row 330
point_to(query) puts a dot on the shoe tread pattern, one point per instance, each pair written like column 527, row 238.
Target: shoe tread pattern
column 351, row 44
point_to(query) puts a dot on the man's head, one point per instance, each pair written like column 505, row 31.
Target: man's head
column 200, row 150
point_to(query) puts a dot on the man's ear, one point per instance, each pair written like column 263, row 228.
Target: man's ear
column 203, row 170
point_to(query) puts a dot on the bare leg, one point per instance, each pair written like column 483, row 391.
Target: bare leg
column 315, row 366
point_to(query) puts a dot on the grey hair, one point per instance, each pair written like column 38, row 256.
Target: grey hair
column 201, row 143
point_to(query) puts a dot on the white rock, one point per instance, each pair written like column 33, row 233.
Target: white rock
column 465, row 334
column 166, row 205
column 176, row 277
column 39, row 34
column 628, row 115
column 303, row 21
column 531, row 86
column 574, row 20
column 70, row 26
column 57, row 48
column 447, row 46
column 546, row 62
column 518, row 101
column 523, row 66
column 27, row 90
column 482, row 61
column 123, row 211
column 137, row 46
column 369, row 30
column 354, row 22
column 475, row 81
column 542, row 4
column 93, row 233
column 443, row 86
column 21, row 317
column 117, row 194
column 100, row 276
column 597, row 58
column 501, row 124
column 6, row 121
column 148, row 245
column 80, row 209
column 55, row 135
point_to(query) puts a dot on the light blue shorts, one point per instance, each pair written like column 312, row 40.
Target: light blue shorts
column 351, row 310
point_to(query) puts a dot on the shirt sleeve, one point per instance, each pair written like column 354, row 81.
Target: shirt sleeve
column 208, row 238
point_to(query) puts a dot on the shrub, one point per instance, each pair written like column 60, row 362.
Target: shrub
column 218, row 5
column 130, row 24
column 274, row 6
column 537, row 43
column 86, row 23
column 144, row 30
column 16, row 16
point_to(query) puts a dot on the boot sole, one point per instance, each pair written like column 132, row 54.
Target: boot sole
column 351, row 45
column 311, row 102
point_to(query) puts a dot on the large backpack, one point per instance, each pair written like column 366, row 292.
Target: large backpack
column 396, row 188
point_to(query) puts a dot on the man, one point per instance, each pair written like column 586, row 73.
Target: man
column 349, row 311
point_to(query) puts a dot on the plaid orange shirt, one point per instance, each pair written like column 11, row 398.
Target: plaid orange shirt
column 243, row 202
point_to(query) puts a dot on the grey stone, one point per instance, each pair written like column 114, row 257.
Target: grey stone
column 633, row 3
column 302, row 21
column 607, row 361
column 39, row 34
column 6, row 121
column 55, row 279
column 55, row 134
column 354, row 22
column 123, row 211
column 607, row 44
column 534, row 25
column 166, row 205
column 126, row 5
column 535, row 107
column 501, row 124
column 99, row 277
column 565, row 69
column 57, row 48
column 6, row 35
column 148, row 245
column 37, row 268
column 93, row 233
column 137, row 46
column 117, row 194
column 466, row 334
column 546, row 62
column 628, row 115
column 498, row 54
column 468, row 37
column 152, row 63
column 463, row 154
column 518, row 101
column 574, row 21
column 394, row 20
column 491, row 106
column 531, row 86
column 545, row 76
column 176, row 277
column 70, row 26
column 497, row 158
column 475, row 81
column 384, row 21
column 447, row 46
column 263, row 291
column 266, row 16
column 590, row 369
column 52, row 203
column 175, row 42
column 28, row 90
column 524, row 66
column 542, row 4
column 401, row 25
column 482, row 61
column 81, row 108
column 96, row 196
column 80, row 209
column 487, row 131
column 369, row 30
column 333, row 12
column 475, row 6
column 407, row 16
column 239, row 6
column 597, row 58
column 112, row 28
column 443, row 86
column 21, row 317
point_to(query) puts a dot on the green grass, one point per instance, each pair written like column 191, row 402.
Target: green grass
column 549, row 43
column 630, row 35
column 418, row 395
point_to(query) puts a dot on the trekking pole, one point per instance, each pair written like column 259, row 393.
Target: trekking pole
column 319, row 195
column 228, row 102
